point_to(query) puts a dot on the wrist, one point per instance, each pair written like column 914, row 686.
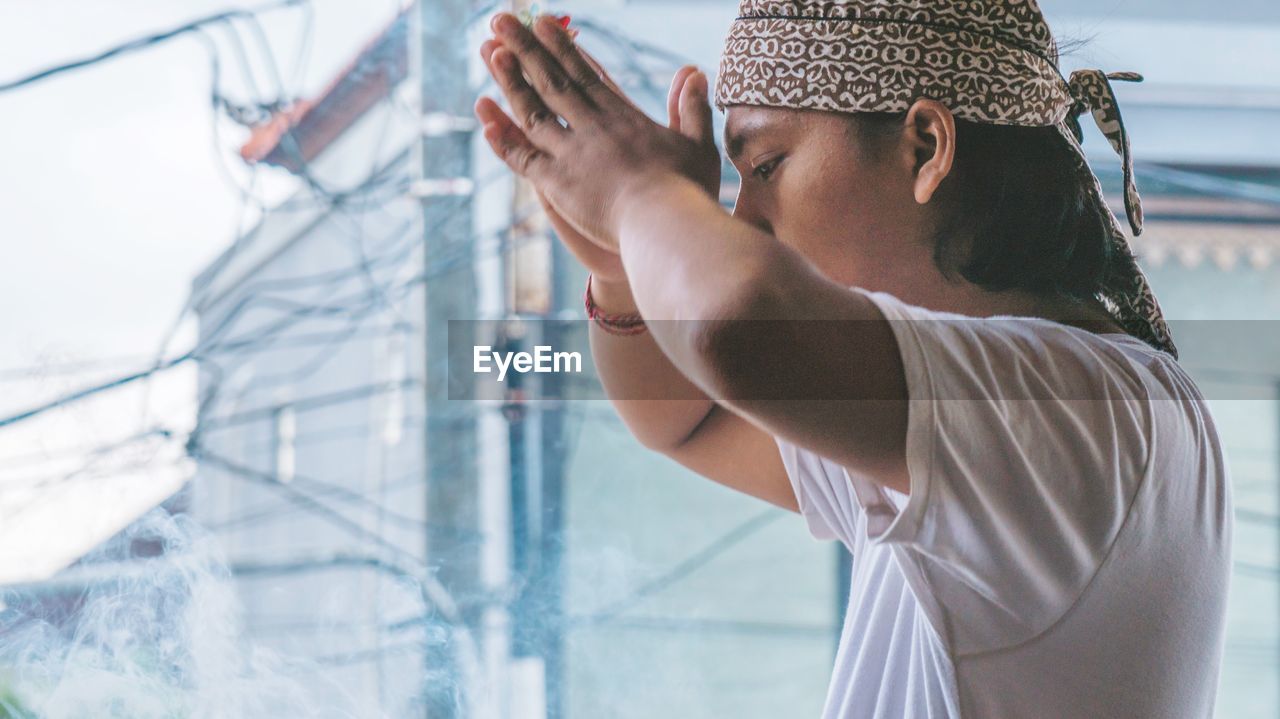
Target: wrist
column 613, row 296
column 637, row 203
column 611, row 322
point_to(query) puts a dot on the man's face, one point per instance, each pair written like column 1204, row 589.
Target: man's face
column 842, row 200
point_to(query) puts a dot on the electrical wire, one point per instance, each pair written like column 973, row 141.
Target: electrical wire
column 305, row 501
column 295, row 310
column 316, row 489
column 218, row 346
column 689, row 565
column 144, row 42
column 159, row 365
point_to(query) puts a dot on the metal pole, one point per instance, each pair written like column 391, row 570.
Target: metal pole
column 844, row 578
column 536, row 286
column 444, row 186
column 551, row 580
column 554, row 461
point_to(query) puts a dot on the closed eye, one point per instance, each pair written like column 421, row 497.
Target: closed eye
column 765, row 169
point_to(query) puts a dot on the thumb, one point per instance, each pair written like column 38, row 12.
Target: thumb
column 695, row 109
column 674, row 95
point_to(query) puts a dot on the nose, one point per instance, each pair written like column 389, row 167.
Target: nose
column 750, row 210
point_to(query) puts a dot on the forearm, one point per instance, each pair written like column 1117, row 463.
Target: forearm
column 659, row 405
column 691, row 268
column 694, row 271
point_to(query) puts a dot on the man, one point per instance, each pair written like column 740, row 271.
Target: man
column 1037, row 503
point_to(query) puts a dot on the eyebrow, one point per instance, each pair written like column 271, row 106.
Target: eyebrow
column 734, row 142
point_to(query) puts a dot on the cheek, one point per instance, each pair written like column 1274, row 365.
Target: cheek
column 828, row 201
column 843, row 218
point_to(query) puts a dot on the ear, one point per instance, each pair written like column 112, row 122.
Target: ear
column 931, row 138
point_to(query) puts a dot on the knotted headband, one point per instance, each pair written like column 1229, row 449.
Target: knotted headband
column 988, row 61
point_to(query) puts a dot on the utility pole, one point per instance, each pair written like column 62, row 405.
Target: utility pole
column 439, row 57
column 538, row 299
column 510, row 494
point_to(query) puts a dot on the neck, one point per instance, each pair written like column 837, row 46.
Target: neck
column 929, row 289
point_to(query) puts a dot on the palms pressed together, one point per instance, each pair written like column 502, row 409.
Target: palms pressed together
column 568, row 169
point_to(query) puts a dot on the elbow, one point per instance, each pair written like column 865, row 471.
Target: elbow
column 725, row 355
column 733, row 346
column 659, row 438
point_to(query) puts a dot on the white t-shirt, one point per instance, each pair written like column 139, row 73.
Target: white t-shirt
column 1065, row 548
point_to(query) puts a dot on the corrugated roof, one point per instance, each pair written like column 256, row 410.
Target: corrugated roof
column 293, row 138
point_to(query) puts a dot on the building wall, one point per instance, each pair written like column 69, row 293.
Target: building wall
column 313, row 380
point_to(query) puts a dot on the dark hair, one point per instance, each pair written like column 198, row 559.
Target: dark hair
column 1020, row 215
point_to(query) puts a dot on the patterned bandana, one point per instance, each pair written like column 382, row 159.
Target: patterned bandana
column 988, row 61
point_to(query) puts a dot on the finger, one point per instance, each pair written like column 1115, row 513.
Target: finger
column 673, row 96
column 509, row 142
column 489, row 112
column 604, row 76
column 488, row 46
column 695, row 109
column 536, row 119
column 557, row 90
column 564, row 49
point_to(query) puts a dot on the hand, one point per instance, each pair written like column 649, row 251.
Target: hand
column 583, row 172
column 602, row 263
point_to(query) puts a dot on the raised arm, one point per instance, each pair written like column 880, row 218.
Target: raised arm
column 835, row 386
column 628, row 184
column 640, row 381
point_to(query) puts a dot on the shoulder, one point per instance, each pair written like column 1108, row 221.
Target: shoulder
column 1011, row 357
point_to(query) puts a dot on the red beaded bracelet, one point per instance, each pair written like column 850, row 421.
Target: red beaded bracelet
column 619, row 324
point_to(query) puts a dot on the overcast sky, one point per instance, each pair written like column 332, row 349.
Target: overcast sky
column 113, row 200
column 113, row 194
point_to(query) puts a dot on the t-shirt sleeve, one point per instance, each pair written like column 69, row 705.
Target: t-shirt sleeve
column 826, row 502
column 1026, row 443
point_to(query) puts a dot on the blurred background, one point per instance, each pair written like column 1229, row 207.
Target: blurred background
column 232, row 482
